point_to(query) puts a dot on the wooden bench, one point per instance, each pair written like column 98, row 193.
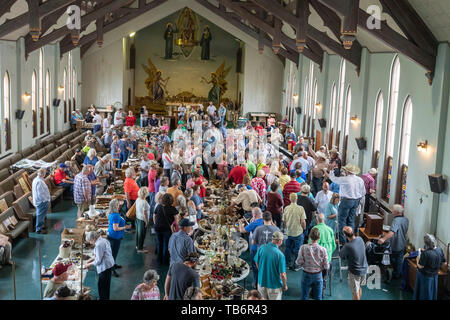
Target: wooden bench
column 21, row 227
column 25, row 209
column 55, row 191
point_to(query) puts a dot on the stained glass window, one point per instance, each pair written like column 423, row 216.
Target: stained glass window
column 7, row 110
column 33, row 102
column 377, row 130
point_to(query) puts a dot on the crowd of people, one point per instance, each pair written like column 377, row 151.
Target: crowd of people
column 296, row 213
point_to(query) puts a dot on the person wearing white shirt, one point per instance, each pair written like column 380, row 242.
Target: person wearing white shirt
column 106, row 124
column 323, row 197
column 351, row 191
column 211, row 109
column 144, row 116
column 41, row 200
column 97, row 121
column 118, row 117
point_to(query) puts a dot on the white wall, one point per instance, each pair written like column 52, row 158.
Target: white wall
column 103, row 76
column 263, row 81
column 20, row 69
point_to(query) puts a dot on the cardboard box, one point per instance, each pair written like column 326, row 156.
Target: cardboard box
column 71, row 233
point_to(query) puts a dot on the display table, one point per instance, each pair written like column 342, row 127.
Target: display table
column 76, row 276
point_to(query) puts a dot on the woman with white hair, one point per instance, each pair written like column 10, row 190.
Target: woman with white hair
column 429, row 261
column 142, row 217
column 103, row 261
column 91, row 157
column 148, row 289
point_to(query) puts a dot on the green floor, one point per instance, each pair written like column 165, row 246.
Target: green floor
column 25, row 255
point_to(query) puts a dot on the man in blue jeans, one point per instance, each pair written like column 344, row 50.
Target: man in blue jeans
column 41, row 200
column 351, row 190
column 294, row 218
column 397, row 235
column 256, row 221
column 314, row 259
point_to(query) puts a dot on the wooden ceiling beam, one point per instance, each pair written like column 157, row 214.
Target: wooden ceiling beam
column 85, row 20
column 411, row 24
column 302, row 11
column 34, row 21
column 353, row 56
column 6, row 6
column 112, row 25
column 257, row 22
column 350, row 23
column 45, row 8
column 390, row 37
column 232, row 18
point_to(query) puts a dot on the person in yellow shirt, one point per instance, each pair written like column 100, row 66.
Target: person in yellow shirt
column 284, row 178
column 294, row 218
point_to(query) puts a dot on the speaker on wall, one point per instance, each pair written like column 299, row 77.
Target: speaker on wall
column 322, row 123
column 361, row 142
column 298, row 110
column 19, row 114
column 56, row 102
column 437, row 183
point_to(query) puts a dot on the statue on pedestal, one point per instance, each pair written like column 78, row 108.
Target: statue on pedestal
column 204, row 43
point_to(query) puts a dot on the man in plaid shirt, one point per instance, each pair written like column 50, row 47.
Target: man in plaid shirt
column 314, row 259
column 82, row 190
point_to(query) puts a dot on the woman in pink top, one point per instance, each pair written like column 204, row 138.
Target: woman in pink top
column 148, row 290
column 259, row 185
column 151, row 185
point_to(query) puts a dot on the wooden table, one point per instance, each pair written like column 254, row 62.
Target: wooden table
column 367, row 237
column 412, row 274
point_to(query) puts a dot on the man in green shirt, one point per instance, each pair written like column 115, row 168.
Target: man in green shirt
column 327, row 240
column 251, row 168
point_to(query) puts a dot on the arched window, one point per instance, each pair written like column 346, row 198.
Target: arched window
column 41, row 91
column 378, row 124
column 33, row 102
column 341, row 102
column 74, row 86
column 47, row 98
column 65, row 95
column 348, row 107
column 332, row 114
column 389, row 151
column 7, row 110
column 405, row 144
column 69, row 83
column 305, row 106
column 310, row 101
column 313, row 121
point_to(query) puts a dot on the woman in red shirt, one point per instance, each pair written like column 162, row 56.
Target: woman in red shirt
column 130, row 120
column 199, row 180
column 275, row 204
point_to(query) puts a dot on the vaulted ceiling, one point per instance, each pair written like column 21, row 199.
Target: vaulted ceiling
column 289, row 27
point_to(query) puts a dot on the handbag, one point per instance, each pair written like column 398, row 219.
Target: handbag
column 131, row 214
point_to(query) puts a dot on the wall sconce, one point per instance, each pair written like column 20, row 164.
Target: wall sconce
column 26, row 95
column 295, row 97
column 132, row 34
column 318, row 106
column 423, row 146
column 61, row 88
column 80, row 83
column 354, row 120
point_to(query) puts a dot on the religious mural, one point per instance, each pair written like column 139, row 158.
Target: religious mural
column 180, row 62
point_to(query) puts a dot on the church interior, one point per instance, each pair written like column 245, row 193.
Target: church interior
column 366, row 80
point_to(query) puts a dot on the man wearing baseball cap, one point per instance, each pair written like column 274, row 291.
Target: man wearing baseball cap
column 271, row 266
column 180, row 243
column 60, row 275
column 61, row 179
